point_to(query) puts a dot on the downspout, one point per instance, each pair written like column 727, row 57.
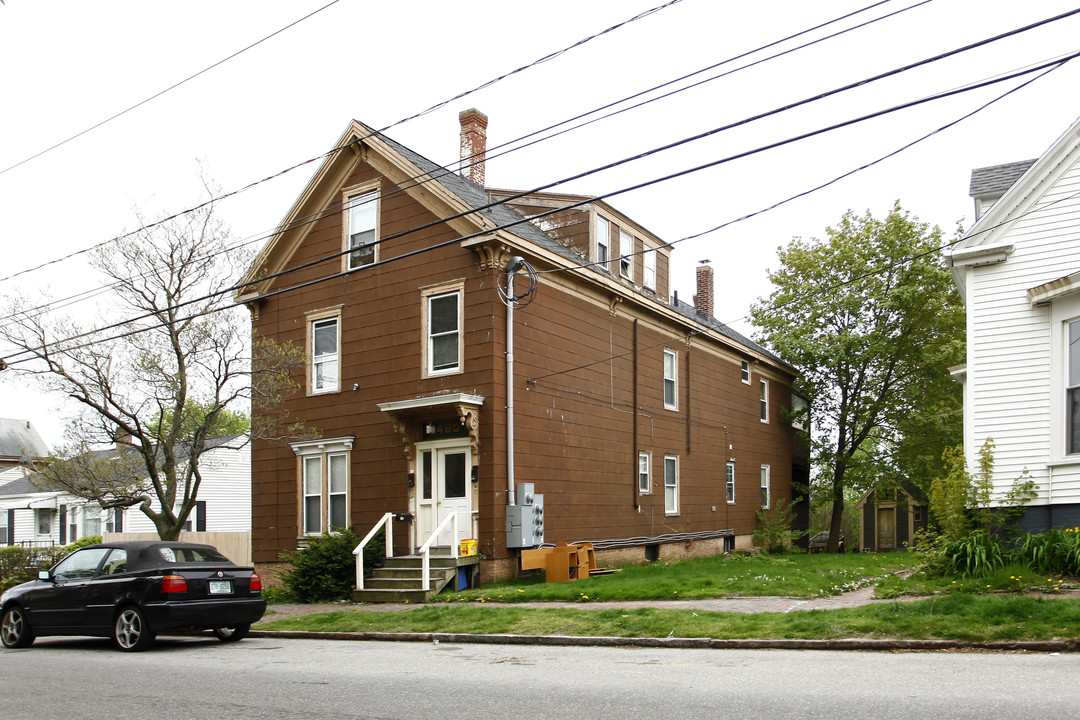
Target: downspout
column 637, row 447
column 512, row 267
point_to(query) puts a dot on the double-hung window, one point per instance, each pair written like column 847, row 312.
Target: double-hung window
column 765, row 486
column 443, row 345
column 730, row 483
column 763, row 391
column 671, row 378
column 362, row 219
column 324, row 344
column 745, row 371
column 648, row 262
column 644, row 479
column 671, row 485
column 626, row 255
column 1072, row 391
column 324, row 484
column 603, row 242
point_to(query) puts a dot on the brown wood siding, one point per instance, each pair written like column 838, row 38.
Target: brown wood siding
column 575, row 391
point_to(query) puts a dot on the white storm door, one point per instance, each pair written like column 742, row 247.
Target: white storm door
column 444, row 487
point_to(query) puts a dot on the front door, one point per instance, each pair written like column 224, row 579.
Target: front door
column 444, row 487
column 886, row 524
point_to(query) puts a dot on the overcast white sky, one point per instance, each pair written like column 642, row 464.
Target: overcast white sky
column 69, row 64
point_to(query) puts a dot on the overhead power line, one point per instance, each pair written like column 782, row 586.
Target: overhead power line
column 513, row 146
column 168, row 89
column 304, row 163
column 16, row 359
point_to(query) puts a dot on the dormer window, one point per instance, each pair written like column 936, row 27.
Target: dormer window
column 603, row 242
column 626, row 255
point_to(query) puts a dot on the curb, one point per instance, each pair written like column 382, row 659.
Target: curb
column 1045, row 646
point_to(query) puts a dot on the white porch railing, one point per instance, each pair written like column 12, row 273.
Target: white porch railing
column 387, row 520
column 425, row 549
column 358, row 551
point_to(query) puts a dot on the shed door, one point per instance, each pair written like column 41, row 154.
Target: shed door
column 886, row 528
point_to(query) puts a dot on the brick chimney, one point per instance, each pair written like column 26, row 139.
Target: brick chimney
column 473, row 144
column 703, row 299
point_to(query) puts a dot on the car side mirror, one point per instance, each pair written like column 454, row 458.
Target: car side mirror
column 44, row 575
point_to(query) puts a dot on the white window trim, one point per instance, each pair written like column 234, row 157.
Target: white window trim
column 674, row 379
column 648, row 265
column 675, row 485
column 744, row 371
column 603, row 230
column 312, row 318
column 646, row 475
column 626, row 255
column 766, row 485
column 322, row 449
column 426, row 294
column 729, row 482
column 346, row 205
column 763, row 400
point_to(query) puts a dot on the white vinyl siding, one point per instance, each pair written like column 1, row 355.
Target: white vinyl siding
column 1017, row 361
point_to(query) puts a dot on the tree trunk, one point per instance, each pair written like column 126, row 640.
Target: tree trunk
column 836, row 523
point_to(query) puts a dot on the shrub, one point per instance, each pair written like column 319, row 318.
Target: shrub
column 774, row 533
column 976, row 555
column 325, row 571
column 1052, row 551
column 20, row 564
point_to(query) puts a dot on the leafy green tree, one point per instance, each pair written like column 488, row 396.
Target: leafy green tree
column 872, row 320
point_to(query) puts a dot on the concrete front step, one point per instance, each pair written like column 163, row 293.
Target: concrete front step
column 400, row 579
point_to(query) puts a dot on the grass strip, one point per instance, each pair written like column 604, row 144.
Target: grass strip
column 976, row 618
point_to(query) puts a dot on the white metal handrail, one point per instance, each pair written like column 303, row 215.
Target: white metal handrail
column 358, row 551
column 425, row 549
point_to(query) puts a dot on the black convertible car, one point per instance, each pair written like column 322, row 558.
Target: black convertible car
column 131, row 591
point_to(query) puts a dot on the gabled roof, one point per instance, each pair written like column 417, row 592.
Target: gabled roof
column 988, row 241
column 445, row 194
column 442, row 191
column 19, row 441
column 995, row 180
column 1024, row 192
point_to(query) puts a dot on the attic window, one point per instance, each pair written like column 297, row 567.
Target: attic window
column 361, row 223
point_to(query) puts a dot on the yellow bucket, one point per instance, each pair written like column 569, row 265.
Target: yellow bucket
column 468, row 547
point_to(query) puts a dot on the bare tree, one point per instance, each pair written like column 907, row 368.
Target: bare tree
column 163, row 379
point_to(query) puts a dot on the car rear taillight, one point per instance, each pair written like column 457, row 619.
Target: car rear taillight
column 173, row 584
column 256, row 582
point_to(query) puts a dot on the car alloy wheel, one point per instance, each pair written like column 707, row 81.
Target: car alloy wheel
column 131, row 632
column 15, row 628
column 232, row 634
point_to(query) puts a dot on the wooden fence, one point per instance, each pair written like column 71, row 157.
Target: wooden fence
column 234, row 545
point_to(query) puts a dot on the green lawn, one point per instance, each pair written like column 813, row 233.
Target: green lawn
column 711, row 577
column 993, row 608
column 949, row 617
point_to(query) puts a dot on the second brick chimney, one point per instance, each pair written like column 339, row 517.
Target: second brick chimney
column 703, row 299
column 473, row 144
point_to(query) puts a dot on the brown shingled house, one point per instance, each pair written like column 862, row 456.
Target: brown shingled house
column 649, row 428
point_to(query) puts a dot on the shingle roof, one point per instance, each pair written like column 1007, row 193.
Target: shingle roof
column 475, row 196
column 996, row 179
column 19, row 439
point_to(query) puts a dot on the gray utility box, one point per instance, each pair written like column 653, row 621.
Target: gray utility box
column 525, row 521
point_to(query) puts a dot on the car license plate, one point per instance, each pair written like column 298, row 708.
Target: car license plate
column 221, row 587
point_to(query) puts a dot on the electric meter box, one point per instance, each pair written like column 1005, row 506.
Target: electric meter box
column 525, row 520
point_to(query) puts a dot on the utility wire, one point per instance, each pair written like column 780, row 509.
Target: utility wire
column 16, row 359
column 303, row 163
column 168, row 89
column 444, row 169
